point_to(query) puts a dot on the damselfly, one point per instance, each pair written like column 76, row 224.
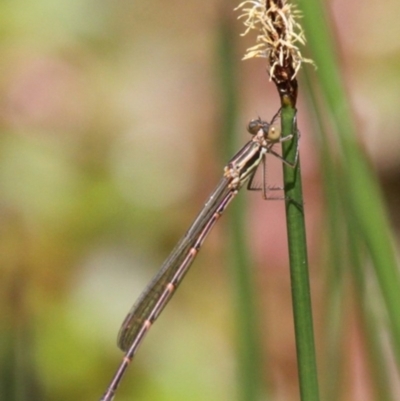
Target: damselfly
column 240, row 169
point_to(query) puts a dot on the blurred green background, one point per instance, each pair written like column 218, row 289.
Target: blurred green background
column 110, row 143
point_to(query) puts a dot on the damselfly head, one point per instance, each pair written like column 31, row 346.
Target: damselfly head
column 255, row 125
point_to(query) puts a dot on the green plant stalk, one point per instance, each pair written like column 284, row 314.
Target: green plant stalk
column 251, row 383
column 379, row 370
column 334, row 311
column 250, row 369
column 361, row 187
column 301, row 297
column 344, row 240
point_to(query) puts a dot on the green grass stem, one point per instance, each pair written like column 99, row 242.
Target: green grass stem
column 301, row 297
column 359, row 182
column 250, row 367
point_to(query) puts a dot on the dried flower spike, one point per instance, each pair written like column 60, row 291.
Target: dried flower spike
column 278, row 36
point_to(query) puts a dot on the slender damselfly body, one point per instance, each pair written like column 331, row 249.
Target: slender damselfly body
column 240, row 169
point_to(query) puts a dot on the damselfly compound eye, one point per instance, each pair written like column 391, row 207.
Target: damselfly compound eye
column 274, row 133
column 254, row 126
